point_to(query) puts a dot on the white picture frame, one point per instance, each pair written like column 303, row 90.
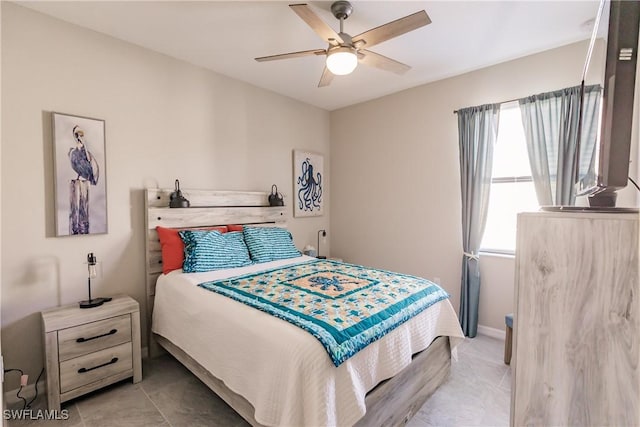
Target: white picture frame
column 308, row 184
column 80, row 175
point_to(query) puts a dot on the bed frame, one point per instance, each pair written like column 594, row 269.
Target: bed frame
column 392, row 402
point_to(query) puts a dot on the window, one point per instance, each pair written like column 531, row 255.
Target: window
column 512, row 189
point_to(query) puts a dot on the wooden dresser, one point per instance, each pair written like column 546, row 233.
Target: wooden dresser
column 576, row 323
column 86, row 349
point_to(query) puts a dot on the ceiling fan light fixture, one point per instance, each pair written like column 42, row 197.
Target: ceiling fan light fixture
column 342, row 60
column 344, row 51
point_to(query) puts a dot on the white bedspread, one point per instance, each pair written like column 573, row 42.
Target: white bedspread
column 281, row 369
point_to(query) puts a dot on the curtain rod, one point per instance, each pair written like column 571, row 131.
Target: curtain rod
column 503, row 102
column 518, row 99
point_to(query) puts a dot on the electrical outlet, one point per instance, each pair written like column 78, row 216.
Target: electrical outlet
column 24, row 380
column 436, row 280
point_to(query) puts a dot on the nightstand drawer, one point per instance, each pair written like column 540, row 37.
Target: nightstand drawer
column 92, row 367
column 94, row 336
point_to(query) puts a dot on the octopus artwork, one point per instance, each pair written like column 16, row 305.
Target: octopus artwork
column 310, row 187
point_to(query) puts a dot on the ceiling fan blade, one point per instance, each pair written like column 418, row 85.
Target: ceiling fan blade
column 318, row 25
column 376, row 60
column 393, row 29
column 292, row 55
column 326, row 79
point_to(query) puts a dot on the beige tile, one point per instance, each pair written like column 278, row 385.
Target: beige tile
column 123, row 404
column 506, row 380
column 473, row 394
column 191, row 403
column 497, row 407
column 485, row 348
column 471, row 367
column 444, row 413
column 162, row 371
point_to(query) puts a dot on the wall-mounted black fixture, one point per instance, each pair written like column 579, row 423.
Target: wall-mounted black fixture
column 176, row 199
column 275, row 198
column 324, row 234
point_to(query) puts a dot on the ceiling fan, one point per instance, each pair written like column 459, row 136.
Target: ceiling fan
column 344, row 52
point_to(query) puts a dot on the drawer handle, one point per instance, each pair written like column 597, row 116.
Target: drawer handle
column 111, row 362
column 111, row 332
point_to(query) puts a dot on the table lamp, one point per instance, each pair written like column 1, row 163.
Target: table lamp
column 92, row 274
column 324, row 234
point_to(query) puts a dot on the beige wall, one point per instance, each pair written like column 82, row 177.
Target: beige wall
column 2, row 401
column 165, row 119
column 497, row 273
column 396, row 178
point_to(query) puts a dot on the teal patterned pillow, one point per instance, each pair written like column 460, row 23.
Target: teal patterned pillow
column 212, row 250
column 269, row 243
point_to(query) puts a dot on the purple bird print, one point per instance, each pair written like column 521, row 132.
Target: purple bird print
column 82, row 161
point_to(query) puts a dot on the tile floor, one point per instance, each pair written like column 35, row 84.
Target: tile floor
column 476, row 394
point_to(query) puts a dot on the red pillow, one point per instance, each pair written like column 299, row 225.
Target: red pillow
column 234, row 227
column 173, row 247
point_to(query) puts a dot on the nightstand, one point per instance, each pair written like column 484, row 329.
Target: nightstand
column 87, row 349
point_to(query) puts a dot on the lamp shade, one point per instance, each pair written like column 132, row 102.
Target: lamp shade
column 342, row 60
column 91, row 264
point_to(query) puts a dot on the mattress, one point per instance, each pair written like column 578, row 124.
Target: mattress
column 282, row 370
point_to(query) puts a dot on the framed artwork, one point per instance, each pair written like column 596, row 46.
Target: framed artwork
column 80, row 179
column 308, row 184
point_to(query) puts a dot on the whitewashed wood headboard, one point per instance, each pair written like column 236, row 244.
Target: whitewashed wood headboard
column 208, row 208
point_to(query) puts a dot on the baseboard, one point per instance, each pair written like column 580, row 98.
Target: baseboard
column 491, row 332
column 28, row 392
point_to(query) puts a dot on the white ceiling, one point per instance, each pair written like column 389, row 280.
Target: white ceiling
column 225, row 36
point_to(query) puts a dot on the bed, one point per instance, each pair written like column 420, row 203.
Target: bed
column 270, row 371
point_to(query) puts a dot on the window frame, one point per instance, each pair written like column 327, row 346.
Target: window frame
column 505, row 180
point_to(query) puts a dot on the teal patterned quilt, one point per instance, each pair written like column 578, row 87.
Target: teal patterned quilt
column 345, row 306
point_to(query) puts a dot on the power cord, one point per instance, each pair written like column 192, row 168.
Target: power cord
column 20, row 389
column 36, row 386
column 634, row 183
